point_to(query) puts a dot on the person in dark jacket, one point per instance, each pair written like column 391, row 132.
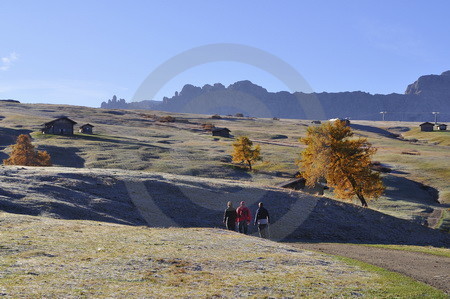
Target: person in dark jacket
column 229, row 218
column 262, row 219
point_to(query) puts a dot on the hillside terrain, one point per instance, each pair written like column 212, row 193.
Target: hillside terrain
column 81, row 227
column 163, row 200
column 417, row 188
column 45, row 257
column 428, row 94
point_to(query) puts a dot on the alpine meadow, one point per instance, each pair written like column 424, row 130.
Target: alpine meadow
column 238, row 149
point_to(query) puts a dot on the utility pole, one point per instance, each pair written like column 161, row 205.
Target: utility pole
column 435, row 117
column 383, row 113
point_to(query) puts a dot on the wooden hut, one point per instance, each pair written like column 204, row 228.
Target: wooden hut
column 59, row 126
column 426, row 127
column 221, row 132
column 442, row 127
column 300, row 184
column 345, row 120
column 86, row 129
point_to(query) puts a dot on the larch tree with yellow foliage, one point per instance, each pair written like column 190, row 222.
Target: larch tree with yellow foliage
column 243, row 151
column 344, row 162
column 23, row 153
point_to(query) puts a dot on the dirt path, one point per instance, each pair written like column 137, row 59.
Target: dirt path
column 430, row 269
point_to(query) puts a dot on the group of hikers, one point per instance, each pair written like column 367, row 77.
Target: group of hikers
column 242, row 217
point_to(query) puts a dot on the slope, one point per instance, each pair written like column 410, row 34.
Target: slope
column 164, row 200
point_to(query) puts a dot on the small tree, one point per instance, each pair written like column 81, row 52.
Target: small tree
column 23, row 153
column 243, row 151
column 345, row 163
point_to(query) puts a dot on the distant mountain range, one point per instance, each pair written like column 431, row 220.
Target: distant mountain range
column 428, row 94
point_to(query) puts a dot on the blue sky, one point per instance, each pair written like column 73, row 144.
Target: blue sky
column 83, row 52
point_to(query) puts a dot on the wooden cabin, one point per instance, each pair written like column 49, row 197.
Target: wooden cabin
column 300, row 184
column 426, row 127
column 442, row 127
column 221, row 132
column 59, row 126
column 86, row 129
column 345, row 120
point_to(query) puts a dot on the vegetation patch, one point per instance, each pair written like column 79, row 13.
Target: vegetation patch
column 439, row 251
column 395, row 285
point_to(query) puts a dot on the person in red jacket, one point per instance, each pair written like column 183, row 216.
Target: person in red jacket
column 243, row 217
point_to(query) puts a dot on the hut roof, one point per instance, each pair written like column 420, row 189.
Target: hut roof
column 426, row 124
column 87, row 125
column 61, row 118
column 290, row 182
column 220, row 129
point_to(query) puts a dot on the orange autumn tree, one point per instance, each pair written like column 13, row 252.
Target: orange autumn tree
column 243, row 151
column 344, row 162
column 23, row 153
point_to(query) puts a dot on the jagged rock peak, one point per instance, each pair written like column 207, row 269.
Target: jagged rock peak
column 430, row 85
column 215, row 87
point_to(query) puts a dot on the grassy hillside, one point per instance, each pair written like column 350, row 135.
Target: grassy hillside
column 132, row 172
column 165, row 200
column 42, row 257
column 135, row 140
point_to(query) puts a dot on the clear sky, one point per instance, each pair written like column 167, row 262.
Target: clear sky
column 84, row 52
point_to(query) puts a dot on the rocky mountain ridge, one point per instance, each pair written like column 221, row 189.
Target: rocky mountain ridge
column 428, row 94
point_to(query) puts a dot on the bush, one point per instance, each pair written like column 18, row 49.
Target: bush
column 216, row 116
column 167, row 119
column 23, row 153
column 208, row 127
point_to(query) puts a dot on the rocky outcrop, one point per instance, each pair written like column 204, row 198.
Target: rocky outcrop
column 434, row 85
column 429, row 93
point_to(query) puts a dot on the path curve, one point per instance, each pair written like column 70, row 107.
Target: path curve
column 430, row 269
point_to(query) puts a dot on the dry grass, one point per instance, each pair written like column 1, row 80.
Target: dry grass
column 131, row 140
column 438, row 137
column 42, row 257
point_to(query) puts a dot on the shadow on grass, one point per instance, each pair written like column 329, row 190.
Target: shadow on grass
column 110, row 139
column 10, row 194
column 8, row 137
column 327, row 221
column 400, row 188
column 83, row 199
column 64, row 156
column 375, row 130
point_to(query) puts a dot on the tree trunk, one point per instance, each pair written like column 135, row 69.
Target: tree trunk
column 360, row 196
column 249, row 164
column 362, row 199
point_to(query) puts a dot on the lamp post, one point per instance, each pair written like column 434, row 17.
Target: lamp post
column 435, row 117
column 383, row 113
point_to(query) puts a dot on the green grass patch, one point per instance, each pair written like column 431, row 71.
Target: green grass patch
column 395, row 285
column 423, row 249
column 439, row 137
